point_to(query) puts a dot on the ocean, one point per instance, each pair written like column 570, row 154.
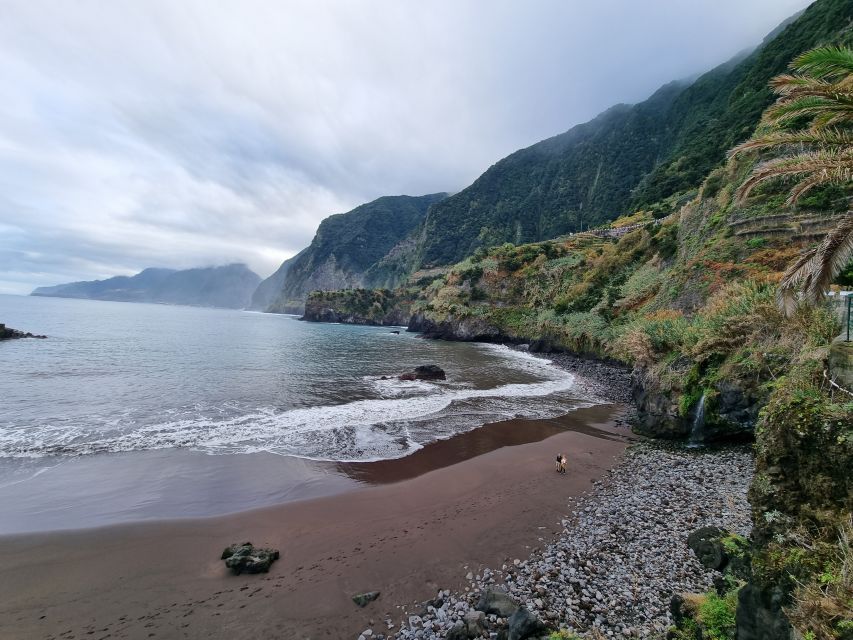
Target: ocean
column 121, row 386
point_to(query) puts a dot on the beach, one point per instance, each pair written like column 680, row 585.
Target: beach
column 406, row 528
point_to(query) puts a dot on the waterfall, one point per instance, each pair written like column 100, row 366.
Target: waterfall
column 697, row 429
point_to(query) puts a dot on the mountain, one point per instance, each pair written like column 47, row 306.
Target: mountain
column 627, row 157
column 230, row 286
column 270, row 288
column 348, row 251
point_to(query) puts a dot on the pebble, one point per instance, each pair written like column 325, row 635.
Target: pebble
column 623, row 549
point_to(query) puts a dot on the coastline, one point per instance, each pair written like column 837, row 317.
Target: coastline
column 406, row 538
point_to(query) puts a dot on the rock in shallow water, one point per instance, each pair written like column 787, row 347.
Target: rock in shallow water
column 425, row 372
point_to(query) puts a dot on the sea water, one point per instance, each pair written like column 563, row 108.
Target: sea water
column 125, row 379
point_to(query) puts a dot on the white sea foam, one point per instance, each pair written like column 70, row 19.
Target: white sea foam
column 407, row 415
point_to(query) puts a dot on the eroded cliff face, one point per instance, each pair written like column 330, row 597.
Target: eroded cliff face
column 673, row 407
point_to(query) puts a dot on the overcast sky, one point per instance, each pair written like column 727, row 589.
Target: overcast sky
column 182, row 133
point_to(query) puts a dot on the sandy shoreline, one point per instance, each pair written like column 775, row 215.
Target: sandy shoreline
column 412, row 532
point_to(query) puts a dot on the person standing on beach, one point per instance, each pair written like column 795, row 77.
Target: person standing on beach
column 562, row 463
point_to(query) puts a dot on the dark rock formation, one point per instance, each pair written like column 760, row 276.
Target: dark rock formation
column 720, row 550
column 524, row 624
column 760, row 614
column 497, row 602
column 459, row 329
column 730, row 409
column 245, row 557
column 707, row 544
column 363, row 599
column 7, row 333
column 425, row 372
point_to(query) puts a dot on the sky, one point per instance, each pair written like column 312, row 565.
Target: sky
column 192, row 133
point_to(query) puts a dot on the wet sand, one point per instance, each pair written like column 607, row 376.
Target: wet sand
column 420, row 527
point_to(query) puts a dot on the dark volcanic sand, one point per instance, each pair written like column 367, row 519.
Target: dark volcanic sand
column 406, row 539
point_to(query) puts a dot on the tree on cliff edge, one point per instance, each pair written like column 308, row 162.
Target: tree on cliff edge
column 809, row 131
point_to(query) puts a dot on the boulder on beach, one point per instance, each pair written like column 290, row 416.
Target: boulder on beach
column 524, row 624
column 363, row 599
column 425, row 372
column 245, row 557
column 497, row 602
column 707, row 544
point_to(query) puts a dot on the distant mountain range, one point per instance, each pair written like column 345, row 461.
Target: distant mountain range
column 229, row 286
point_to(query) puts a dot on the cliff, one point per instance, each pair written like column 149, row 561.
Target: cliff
column 348, row 251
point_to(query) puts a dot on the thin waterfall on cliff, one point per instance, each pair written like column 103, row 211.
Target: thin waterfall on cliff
column 697, row 429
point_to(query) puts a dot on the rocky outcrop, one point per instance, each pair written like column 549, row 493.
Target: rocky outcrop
column 465, row 329
column 658, row 413
column 246, row 558
column 378, row 307
column 425, row 372
column 801, row 495
column 7, row 333
column 727, row 411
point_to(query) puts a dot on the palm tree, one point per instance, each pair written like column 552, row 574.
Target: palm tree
column 810, row 130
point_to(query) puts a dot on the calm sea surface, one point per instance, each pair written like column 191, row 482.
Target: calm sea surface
column 122, row 379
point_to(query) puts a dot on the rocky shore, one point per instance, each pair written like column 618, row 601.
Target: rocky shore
column 7, row 333
column 597, row 379
column 621, row 555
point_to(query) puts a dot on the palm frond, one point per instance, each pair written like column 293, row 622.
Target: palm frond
column 815, row 270
column 828, row 138
column 830, row 166
column 790, row 85
column 825, row 63
column 831, row 257
column 786, row 110
column 787, row 294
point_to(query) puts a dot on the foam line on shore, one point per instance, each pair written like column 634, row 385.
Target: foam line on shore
column 361, row 430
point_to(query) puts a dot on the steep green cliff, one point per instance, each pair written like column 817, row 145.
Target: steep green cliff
column 628, row 157
column 348, row 249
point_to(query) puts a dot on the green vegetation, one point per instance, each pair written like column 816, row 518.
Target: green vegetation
column 810, row 131
column 358, row 306
column 717, row 616
column 563, row 635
